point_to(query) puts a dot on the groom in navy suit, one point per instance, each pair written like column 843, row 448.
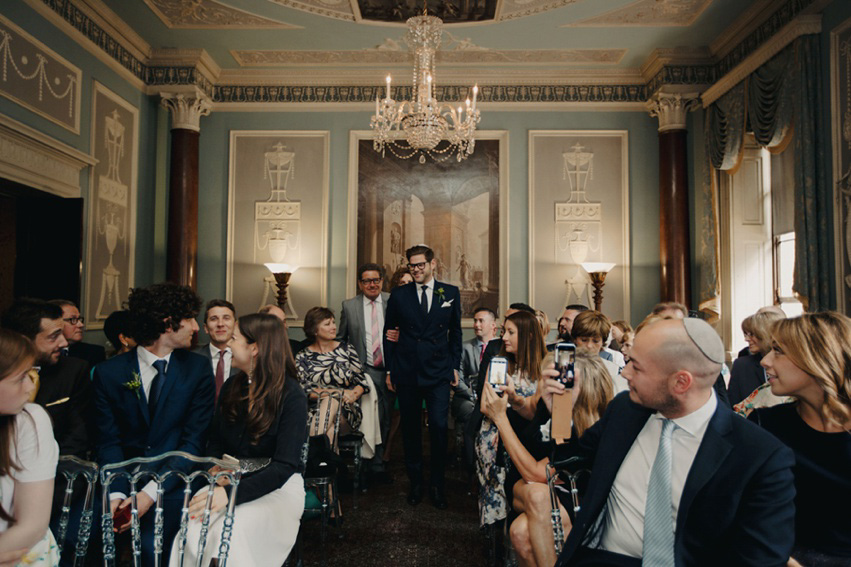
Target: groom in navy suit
column 422, row 364
column 153, row 399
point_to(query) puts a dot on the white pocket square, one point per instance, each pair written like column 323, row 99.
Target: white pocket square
column 447, row 303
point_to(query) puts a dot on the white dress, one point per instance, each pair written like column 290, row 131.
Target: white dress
column 37, row 452
column 278, row 512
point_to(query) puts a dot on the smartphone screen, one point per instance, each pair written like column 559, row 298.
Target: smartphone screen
column 565, row 357
column 496, row 371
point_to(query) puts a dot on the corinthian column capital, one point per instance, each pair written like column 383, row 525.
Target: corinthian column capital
column 187, row 108
column 671, row 109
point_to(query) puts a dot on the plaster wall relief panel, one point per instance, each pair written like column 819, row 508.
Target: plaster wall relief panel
column 338, row 9
column 579, row 212
column 38, row 78
column 650, row 13
column 278, row 192
column 841, row 107
column 209, row 14
column 112, row 205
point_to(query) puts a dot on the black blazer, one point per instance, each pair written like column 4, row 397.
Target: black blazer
column 283, row 442
column 72, row 419
column 428, row 351
column 93, row 354
column 737, row 506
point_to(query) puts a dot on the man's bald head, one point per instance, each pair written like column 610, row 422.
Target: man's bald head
column 687, row 344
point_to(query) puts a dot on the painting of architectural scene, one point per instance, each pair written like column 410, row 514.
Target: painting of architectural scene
column 451, row 207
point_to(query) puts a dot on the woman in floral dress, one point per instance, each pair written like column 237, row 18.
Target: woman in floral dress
column 327, row 364
column 523, row 346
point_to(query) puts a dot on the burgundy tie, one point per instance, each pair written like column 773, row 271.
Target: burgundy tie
column 377, row 360
column 481, row 352
column 220, row 373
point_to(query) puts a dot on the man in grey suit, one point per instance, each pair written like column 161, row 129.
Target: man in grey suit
column 464, row 398
column 219, row 322
column 362, row 326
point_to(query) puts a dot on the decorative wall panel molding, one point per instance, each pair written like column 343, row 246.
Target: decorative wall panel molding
column 209, row 14
column 38, row 78
column 840, row 98
column 31, row 158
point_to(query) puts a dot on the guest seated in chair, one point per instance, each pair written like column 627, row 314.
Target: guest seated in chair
column 261, row 414
column 327, row 364
column 532, row 531
column 28, row 457
column 810, row 361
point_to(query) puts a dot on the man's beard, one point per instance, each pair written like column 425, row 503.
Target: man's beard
column 565, row 337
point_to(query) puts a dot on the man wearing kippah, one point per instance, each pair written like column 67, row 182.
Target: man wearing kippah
column 677, row 478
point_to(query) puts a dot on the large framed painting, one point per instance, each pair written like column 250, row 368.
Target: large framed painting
column 578, row 212
column 459, row 209
column 111, row 227
column 840, row 97
column 277, row 209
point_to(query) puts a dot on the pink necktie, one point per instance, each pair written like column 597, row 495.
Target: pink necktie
column 377, row 361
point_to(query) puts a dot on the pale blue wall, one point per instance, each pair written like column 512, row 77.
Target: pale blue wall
column 643, row 171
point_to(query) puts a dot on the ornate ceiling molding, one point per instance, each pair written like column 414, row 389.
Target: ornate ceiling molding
column 337, row 9
column 649, row 13
column 383, row 57
column 513, row 9
column 209, row 14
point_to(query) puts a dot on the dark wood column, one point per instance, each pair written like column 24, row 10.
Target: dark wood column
column 674, row 225
column 674, row 228
column 182, row 240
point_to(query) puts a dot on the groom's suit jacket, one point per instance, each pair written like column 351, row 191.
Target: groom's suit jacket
column 429, row 347
column 352, row 328
column 182, row 416
column 737, row 505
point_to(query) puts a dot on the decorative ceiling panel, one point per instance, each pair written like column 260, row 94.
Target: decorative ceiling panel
column 209, row 14
column 650, row 13
column 338, row 9
column 511, row 9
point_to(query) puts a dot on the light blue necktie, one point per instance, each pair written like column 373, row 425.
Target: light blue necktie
column 658, row 520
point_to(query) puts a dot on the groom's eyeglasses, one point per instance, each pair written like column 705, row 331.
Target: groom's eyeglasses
column 417, row 266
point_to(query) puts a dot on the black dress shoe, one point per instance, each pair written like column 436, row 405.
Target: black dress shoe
column 415, row 496
column 438, row 498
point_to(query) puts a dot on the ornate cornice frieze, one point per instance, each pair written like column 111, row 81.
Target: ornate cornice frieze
column 209, row 14
column 672, row 109
column 187, row 108
column 100, row 31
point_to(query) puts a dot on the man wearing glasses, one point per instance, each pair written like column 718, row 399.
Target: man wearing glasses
column 362, row 326
column 422, row 365
column 73, row 327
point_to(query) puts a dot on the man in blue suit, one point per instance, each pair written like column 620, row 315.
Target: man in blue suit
column 153, row 399
column 678, row 478
column 423, row 364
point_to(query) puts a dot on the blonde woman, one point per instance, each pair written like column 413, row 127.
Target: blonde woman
column 747, row 375
column 810, row 360
column 531, row 532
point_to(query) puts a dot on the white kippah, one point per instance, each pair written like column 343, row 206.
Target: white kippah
column 705, row 339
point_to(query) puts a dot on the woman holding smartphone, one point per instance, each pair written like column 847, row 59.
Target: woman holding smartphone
column 810, row 360
column 522, row 353
column 28, row 458
column 261, row 414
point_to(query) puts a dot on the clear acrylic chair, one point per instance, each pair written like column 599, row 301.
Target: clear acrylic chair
column 159, row 469
column 71, row 469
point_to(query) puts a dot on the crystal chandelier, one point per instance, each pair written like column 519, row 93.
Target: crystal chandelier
column 423, row 126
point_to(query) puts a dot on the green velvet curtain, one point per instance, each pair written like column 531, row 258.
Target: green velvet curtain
column 781, row 97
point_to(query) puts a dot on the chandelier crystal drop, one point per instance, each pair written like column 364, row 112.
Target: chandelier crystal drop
column 423, row 126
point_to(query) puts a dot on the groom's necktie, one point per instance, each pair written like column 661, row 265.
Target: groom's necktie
column 658, row 520
column 424, row 299
column 156, row 385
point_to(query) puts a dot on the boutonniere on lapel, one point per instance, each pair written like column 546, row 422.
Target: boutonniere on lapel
column 440, row 294
column 134, row 385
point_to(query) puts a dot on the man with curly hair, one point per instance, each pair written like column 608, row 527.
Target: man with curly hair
column 156, row 398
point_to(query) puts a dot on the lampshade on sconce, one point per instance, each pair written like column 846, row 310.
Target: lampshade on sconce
column 598, row 271
column 282, row 273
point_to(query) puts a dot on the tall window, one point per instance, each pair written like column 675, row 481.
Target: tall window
column 784, row 269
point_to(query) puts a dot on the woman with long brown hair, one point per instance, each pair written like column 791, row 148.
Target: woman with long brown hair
column 523, row 347
column 261, row 414
column 810, row 361
column 28, row 458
